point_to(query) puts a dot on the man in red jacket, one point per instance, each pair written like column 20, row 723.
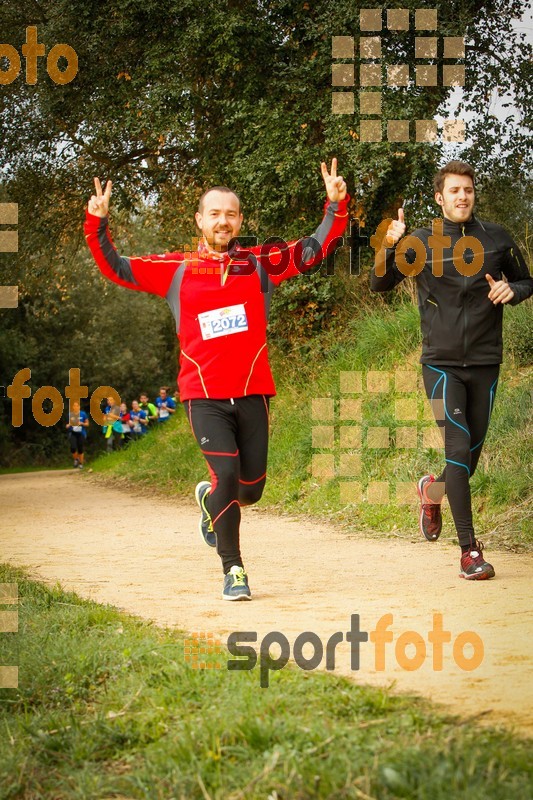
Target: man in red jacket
column 220, row 297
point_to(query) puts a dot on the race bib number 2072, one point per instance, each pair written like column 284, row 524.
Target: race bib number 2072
column 223, row 321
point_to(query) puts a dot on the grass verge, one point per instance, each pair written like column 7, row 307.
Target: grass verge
column 107, row 707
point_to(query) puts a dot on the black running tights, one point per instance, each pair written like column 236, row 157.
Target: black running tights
column 233, row 437
column 462, row 399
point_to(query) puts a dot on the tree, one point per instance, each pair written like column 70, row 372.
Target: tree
column 169, row 98
column 173, row 96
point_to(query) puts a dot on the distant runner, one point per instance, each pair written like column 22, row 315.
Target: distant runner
column 112, row 429
column 166, row 406
column 77, row 433
column 149, row 407
column 138, row 420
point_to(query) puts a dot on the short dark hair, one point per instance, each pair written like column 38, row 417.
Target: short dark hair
column 217, row 189
column 452, row 168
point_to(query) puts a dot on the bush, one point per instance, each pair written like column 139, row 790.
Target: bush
column 518, row 333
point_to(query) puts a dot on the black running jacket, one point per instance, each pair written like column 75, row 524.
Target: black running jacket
column 460, row 325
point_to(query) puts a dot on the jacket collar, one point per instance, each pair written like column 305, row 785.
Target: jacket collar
column 457, row 227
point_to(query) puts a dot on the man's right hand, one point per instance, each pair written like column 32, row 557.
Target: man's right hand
column 99, row 202
column 396, row 230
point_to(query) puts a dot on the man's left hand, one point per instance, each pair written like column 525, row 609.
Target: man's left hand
column 500, row 291
column 335, row 184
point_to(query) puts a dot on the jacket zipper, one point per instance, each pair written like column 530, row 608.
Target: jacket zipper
column 465, row 315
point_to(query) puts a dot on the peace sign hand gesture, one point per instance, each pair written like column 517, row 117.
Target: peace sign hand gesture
column 335, row 185
column 99, row 202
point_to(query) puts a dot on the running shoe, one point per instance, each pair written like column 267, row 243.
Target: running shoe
column 206, row 524
column 76, row 463
column 80, row 466
column 473, row 565
column 236, row 585
column 430, row 519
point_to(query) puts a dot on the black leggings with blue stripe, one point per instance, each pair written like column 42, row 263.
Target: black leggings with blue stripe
column 462, row 399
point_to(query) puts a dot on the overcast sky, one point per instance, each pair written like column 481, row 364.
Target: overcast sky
column 524, row 25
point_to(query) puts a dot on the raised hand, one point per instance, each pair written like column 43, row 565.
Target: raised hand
column 396, row 230
column 335, row 184
column 500, row 292
column 99, row 202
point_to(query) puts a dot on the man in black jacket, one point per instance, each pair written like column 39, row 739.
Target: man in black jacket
column 466, row 270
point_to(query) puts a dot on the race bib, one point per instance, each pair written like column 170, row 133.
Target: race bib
column 223, row 321
column 163, row 413
column 77, row 428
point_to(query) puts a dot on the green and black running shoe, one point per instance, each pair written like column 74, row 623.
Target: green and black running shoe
column 206, row 524
column 236, row 585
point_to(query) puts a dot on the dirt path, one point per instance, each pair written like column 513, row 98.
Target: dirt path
column 145, row 556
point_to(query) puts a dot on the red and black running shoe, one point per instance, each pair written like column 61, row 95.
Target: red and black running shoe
column 430, row 519
column 473, row 565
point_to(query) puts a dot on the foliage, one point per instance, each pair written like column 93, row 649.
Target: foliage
column 303, row 308
column 174, row 96
column 170, row 98
column 518, row 334
column 79, row 320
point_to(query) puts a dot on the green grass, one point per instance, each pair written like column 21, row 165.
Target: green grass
column 107, row 706
column 387, row 340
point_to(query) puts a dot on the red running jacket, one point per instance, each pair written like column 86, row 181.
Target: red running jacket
column 220, row 301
